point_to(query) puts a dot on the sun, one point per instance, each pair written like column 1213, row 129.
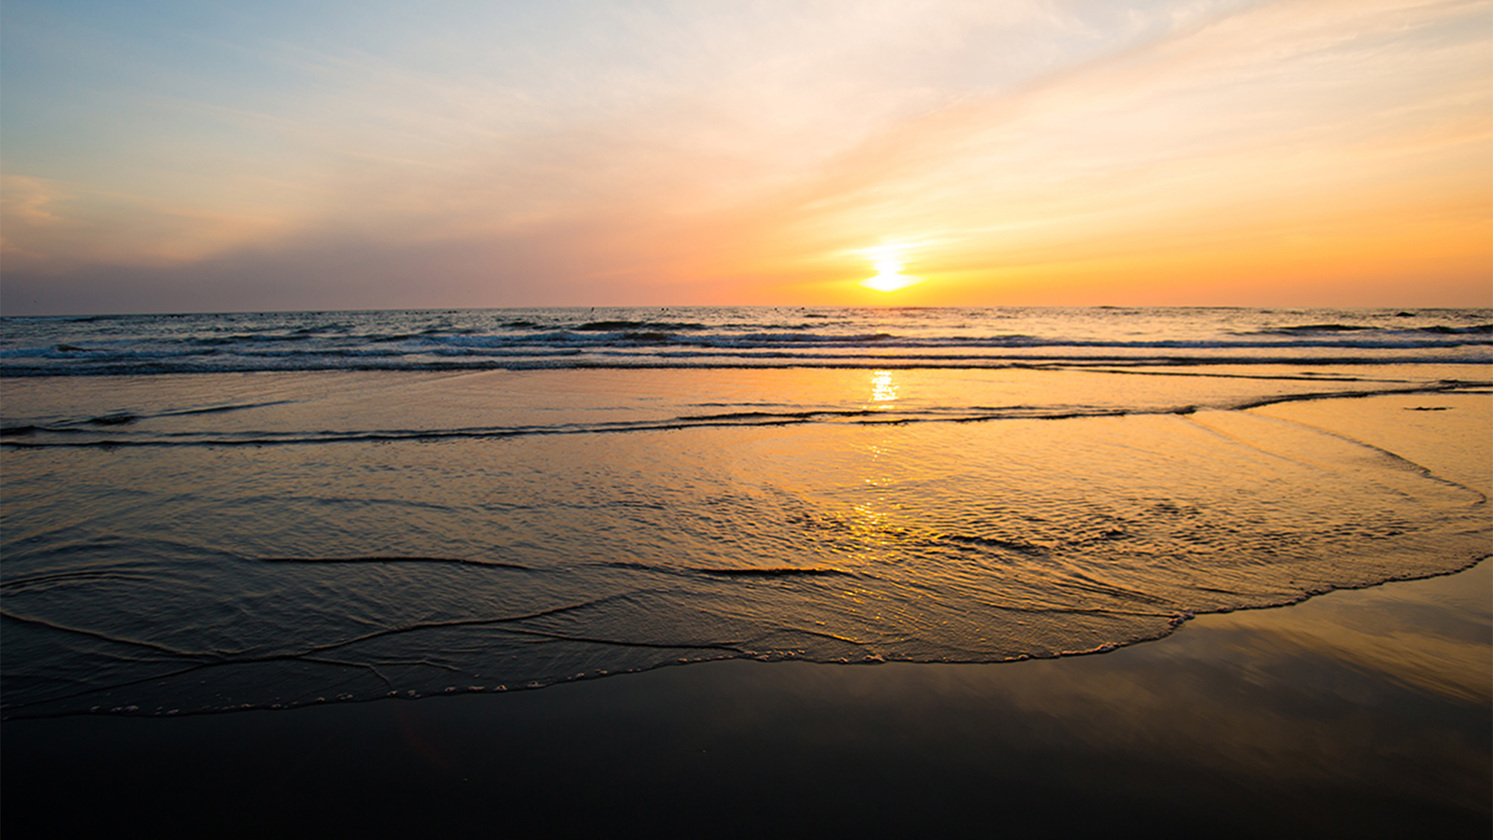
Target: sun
column 889, row 282
column 888, row 260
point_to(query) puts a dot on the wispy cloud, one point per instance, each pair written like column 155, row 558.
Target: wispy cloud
column 670, row 152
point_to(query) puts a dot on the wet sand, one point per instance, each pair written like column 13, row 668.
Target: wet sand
column 1358, row 713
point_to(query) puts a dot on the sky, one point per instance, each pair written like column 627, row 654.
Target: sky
column 198, row 156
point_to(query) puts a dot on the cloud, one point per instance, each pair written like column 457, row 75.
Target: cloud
column 1355, row 128
column 667, row 153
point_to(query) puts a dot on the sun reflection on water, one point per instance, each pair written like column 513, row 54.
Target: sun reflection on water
column 883, row 389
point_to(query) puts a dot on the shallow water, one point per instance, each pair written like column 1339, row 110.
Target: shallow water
column 1356, row 714
column 210, row 541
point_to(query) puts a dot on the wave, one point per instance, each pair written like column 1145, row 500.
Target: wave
column 460, row 561
column 1332, row 329
column 117, row 432
column 616, row 326
column 706, row 337
column 734, row 572
column 574, row 359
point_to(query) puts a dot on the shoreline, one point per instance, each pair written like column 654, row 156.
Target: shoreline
column 1305, row 719
column 1363, row 710
column 1181, row 623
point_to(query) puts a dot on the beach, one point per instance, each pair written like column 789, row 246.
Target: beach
column 744, row 570
column 921, row 418
column 1356, row 714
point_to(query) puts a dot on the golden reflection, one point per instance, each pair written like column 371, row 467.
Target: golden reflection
column 883, row 389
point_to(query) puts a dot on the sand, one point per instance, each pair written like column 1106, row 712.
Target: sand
column 1358, row 713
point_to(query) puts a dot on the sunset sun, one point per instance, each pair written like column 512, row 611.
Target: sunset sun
column 888, row 261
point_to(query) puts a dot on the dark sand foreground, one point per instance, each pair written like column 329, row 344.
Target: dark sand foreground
column 1356, row 714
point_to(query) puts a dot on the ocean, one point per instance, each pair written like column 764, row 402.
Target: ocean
column 208, row 513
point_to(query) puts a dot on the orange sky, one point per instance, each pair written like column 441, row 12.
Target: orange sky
column 1286, row 153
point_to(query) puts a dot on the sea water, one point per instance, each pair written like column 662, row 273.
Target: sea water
column 213, row 512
